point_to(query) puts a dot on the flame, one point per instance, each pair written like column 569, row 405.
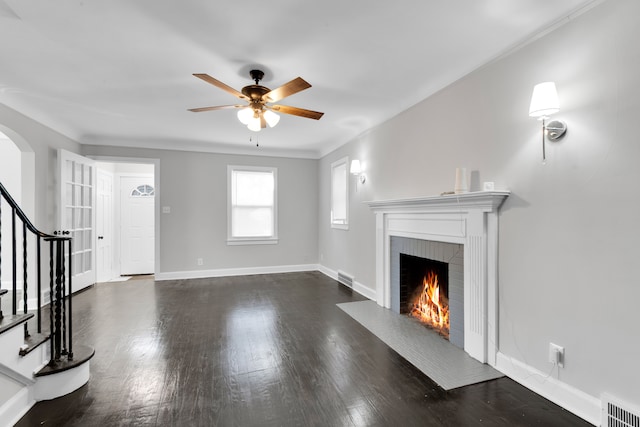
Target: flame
column 429, row 307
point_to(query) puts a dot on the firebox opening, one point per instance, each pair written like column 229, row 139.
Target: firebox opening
column 424, row 291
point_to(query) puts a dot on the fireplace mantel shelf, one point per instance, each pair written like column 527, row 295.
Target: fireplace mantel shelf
column 484, row 200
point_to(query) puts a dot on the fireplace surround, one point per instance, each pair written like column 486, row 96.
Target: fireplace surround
column 469, row 219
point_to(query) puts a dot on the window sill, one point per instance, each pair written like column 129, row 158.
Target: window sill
column 252, row 241
column 340, row 226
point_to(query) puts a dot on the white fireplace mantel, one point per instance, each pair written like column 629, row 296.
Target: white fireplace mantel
column 470, row 219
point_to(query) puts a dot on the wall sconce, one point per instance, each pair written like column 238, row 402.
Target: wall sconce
column 544, row 103
column 356, row 170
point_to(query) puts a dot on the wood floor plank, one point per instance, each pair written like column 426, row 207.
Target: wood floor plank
column 264, row 350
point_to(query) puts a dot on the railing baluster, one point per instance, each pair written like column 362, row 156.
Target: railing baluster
column 51, row 302
column 58, row 314
column 0, row 247
column 1, row 315
column 70, row 304
column 39, row 285
column 24, row 278
column 64, row 302
column 14, row 307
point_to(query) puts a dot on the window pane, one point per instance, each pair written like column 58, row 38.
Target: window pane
column 252, row 222
column 253, row 188
column 252, row 199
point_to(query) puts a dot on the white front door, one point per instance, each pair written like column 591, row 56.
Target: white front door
column 104, row 226
column 76, row 216
column 137, row 225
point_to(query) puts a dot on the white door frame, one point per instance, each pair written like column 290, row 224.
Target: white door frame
column 156, row 179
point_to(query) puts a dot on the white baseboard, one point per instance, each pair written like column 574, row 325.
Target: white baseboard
column 357, row 286
column 570, row 398
column 16, row 407
column 224, row 272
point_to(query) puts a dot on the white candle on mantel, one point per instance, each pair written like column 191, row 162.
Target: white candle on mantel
column 462, row 185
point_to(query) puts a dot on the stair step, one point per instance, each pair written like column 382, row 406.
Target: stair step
column 81, row 354
column 11, row 321
column 32, row 342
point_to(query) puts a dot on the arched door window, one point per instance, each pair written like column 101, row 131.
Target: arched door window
column 143, row 191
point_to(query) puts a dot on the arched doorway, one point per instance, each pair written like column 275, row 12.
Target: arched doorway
column 17, row 175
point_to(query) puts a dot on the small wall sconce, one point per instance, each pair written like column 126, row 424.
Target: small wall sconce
column 356, row 170
column 544, row 103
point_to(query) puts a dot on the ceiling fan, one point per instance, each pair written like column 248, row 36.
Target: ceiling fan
column 260, row 111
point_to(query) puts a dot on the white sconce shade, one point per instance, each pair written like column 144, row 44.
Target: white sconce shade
column 245, row 115
column 544, row 100
column 271, row 118
column 355, row 169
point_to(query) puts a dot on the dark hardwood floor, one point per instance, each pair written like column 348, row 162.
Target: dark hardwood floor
column 268, row 350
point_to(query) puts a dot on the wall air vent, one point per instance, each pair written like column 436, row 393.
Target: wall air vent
column 616, row 413
column 345, row 279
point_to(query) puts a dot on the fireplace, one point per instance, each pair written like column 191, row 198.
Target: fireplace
column 418, row 227
column 424, row 292
column 411, row 262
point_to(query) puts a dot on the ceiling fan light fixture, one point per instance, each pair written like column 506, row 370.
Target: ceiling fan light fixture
column 271, row 118
column 254, row 124
column 245, row 115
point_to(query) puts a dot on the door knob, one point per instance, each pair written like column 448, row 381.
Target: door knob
column 100, row 237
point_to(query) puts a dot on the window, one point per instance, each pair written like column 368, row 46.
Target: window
column 252, row 200
column 143, row 191
column 340, row 194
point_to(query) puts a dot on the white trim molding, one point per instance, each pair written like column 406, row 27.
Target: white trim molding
column 470, row 219
column 360, row 288
column 570, row 398
column 225, row 272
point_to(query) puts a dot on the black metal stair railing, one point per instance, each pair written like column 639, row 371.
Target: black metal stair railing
column 60, row 282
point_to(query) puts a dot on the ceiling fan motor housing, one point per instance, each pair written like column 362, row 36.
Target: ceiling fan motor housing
column 255, row 92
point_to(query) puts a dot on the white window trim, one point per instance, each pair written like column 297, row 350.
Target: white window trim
column 345, row 161
column 273, row 240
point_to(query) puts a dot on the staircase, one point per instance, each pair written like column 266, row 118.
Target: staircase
column 36, row 362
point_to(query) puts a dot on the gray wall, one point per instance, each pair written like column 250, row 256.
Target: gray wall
column 194, row 185
column 569, row 231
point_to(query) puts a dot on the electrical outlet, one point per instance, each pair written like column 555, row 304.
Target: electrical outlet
column 556, row 355
column 199, row 261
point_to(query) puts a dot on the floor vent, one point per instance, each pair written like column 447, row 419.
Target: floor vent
column 345, row 279
column 616, row 413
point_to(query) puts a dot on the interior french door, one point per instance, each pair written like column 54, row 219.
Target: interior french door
column 77, row 198
column 104, row 226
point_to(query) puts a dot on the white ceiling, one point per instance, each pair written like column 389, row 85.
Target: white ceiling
column 119, row 72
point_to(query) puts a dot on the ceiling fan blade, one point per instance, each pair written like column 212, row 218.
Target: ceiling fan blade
column 294, row 86
column 207, row 78
column 219, row 107
column 296, row 111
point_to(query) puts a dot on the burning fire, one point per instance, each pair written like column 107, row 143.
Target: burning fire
column 429, row 307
